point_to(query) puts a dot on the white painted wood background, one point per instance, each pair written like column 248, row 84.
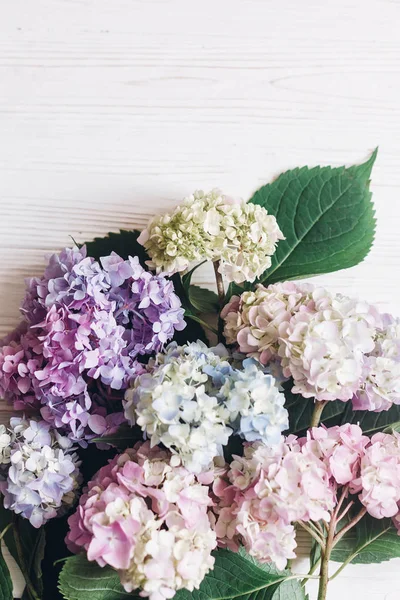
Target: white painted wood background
column 111, row 110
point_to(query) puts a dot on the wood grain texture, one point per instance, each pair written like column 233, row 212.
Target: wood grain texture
column 111, row 111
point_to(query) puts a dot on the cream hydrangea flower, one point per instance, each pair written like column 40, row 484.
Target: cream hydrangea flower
column 254, row 319
column 243, row 236
column 334, row 347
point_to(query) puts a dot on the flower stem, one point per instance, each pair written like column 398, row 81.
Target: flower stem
column 326, row 554
column 220, row 283
column 310, row 573
column 349, row 526
column 313, row 533
column 3, row 533
column 332, row 539
column 316, row 416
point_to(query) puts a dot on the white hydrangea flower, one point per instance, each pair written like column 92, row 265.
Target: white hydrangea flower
column 243, row 236
column 323, row 348
column 333, row 346
column 6, row 439
column 194, row 399
column 380, row 387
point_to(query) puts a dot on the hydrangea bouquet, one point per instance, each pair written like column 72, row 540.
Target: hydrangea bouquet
column 169, row 441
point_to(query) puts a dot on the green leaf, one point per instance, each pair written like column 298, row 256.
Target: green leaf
column 370, row 541
column 393, row 427
column 300, row 410
column 32, row 544
column 203, row 300
column 326, row 216
column 34, row 563
column 123, row 243
column 236, row 577
column 6, row 517
column 6, row 586
column 125, row 437
column 187, row 278
column 84, row 580
column 288, row 590
column 372, row 422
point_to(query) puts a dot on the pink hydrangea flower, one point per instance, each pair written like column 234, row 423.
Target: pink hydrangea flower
column 334, row 347
column 379, row 478
column 264, row 492
column 253, row 321
column 340, row 447
column 147, row 517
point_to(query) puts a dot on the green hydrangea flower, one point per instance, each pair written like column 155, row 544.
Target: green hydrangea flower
column 211, row 226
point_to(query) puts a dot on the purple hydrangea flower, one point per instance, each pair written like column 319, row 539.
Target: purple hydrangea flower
column 86, row 325
column 41, row 477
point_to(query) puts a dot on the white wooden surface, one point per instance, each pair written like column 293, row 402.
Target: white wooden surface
column 111, row 110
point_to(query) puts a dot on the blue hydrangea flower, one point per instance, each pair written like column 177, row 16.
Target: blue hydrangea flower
column 193, row 398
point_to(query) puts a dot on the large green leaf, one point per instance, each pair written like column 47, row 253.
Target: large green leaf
column 234, row 576
column 123, row 243
column 370, row 541
column 337, row 413
column 6, row 587
column 300, row 411
column 326, row 216
column 84, row 580
column 288, row 590
column 203, row 300
column 372, row 422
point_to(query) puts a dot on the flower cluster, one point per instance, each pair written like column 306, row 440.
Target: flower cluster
column 379, row 477
column 193, row 398
column 334, row 347
column 265, row 492
column 213, row 227
column 39, row 473
column 261, row 495
column 369, row 466
column 160, row 549
column 341, row 448
column 86, row 323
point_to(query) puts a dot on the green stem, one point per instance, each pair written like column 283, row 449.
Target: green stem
column 220, row 283
column 31, row 589
column 310, row 572
column 3, row 533
column 349, row 526
column 203, row 323
column 316, row 416
column 332, row 539
column 352, row 556
column 326, row 555
column 313, row 533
